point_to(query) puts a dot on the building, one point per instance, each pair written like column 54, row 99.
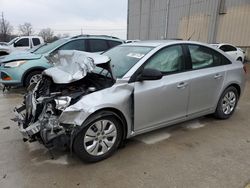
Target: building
column 212, row 21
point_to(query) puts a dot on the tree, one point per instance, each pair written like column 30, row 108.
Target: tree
column 26, row 29
column 5, row 29
column 47, row 34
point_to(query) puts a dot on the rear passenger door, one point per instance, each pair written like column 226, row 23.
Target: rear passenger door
column 207, row 76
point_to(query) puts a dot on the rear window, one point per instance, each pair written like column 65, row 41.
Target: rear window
column 74, row 45
column 203, row 57
column 228, row 48
column 35, row 41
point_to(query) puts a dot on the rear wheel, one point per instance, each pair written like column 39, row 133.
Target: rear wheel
column 227, row 103
column 32, row 77
column 99, row 139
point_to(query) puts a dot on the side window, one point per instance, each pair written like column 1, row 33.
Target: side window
column 168, row 60
column 203, row 57
column 97, row 45
column 24, row 42
column 74, row 45
column 228, row 48
column 35, row 41
column 113, row 43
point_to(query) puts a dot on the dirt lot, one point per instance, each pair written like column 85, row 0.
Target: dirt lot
column 201, row 153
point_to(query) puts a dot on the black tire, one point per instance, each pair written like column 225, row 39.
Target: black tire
column 29, row 76
column 219, row 113
column 79, row 143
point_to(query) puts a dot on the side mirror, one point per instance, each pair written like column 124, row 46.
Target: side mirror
column 150, row 74
column 14, row 44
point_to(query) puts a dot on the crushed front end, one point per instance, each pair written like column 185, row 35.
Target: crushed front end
column 38, row 116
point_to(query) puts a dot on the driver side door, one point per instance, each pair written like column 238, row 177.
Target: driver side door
column 157, row 102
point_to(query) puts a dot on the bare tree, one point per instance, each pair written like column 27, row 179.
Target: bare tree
column 47, row 34
column 5, row 29
column 26, row 29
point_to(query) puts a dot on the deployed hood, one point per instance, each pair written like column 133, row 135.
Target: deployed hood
column 73, row 65
column 15, row 56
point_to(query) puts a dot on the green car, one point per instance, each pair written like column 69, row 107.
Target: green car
column 25, row 68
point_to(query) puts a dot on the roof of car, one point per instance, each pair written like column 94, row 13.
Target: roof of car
column 156, row 43
column 96, row 36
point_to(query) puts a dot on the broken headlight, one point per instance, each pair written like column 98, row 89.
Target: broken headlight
column 62, row 102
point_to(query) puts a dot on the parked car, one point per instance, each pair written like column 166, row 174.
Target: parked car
column 22, row 69
column 20, row 44
column 235, row 52
column 93, row 102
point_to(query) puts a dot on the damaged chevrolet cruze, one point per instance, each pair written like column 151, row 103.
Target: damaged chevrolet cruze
column 91, row 103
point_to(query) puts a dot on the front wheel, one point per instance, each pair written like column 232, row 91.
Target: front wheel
column 32, row 78
column 99, row 139
column 227, row 103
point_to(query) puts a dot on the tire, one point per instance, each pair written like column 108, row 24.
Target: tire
column 30, row 78
column 227, row 103
column 91, row 145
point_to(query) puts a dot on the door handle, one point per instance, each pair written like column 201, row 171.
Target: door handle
column 182, row 85
column 217, row 76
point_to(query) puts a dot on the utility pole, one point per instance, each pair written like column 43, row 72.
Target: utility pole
column 3, row 27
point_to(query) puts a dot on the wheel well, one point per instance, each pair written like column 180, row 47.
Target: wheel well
column 239, row 59
column 3, row 53
column 237, row 87
column 119, row 115
column 28, row 72
column 113, row 112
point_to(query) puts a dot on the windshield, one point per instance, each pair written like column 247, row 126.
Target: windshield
column 12, row 41
column 48, row 47
column 123, row 58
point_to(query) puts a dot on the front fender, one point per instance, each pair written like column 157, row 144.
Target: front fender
column 118, row 97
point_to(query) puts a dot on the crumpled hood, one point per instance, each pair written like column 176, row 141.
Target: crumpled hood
column 14, row 56
column 73, row 65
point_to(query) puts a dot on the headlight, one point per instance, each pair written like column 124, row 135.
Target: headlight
column 14, row 64
column 62, row 102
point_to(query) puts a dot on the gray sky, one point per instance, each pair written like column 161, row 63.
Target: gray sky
column 69, row 16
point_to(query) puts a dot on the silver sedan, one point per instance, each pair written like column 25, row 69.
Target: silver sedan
column 142, row 87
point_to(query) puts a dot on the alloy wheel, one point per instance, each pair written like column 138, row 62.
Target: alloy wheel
column 100, row 137
column 229, row 102
column 35, row 78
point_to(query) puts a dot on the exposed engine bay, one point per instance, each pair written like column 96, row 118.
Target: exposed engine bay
column 43, row 104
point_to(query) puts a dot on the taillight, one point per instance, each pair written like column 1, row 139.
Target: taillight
column 245, row 68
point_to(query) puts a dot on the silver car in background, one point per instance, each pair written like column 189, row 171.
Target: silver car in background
column 129, row 90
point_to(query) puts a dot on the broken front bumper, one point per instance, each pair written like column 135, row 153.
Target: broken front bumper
column 29, row 131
